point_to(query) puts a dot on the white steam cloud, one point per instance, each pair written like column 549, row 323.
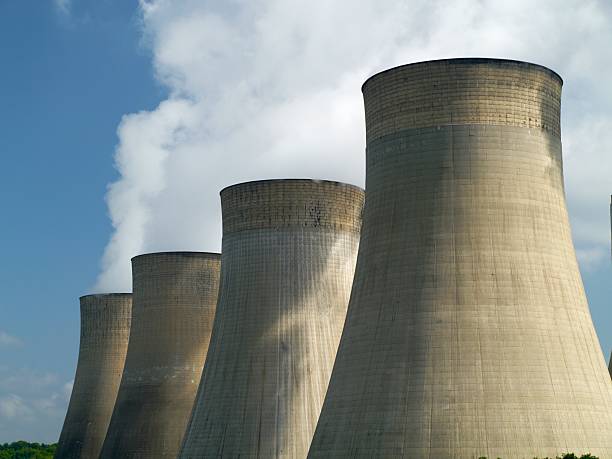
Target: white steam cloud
column 270, row 89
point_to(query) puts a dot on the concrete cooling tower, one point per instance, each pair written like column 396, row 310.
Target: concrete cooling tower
column 175, row 295
column 468, row 332
column 289, row 251
column 105, row 329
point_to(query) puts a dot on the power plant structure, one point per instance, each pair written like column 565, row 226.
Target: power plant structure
column 175, row 295
column 468, row 331
column 288, row 258
column 105, row 329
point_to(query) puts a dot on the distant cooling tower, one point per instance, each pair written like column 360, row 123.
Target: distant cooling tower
column 105, row 329
column 289, row 250
column 468, row 332
column 175, row 294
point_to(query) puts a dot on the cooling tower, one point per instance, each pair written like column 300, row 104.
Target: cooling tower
column 105, row 329
column 175, row 295
column 468, row 332
column 289, row 251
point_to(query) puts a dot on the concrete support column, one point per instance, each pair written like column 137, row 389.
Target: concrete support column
column 105, row 329
column 289, row 249
column 175, row 294
column 468, row 332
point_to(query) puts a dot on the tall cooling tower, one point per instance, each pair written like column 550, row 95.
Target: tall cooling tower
column 468, row 332
column 175, row 295
column 105, row 329
column 289, row 251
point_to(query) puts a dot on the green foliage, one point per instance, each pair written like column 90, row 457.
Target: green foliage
column 572, row 456
column 25, row 450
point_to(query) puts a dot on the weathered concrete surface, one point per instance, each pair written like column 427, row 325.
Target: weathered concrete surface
column 289, row 250
column 175, row 295
column 105, row 329
column 468, row 332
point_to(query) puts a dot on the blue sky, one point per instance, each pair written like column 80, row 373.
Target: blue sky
column 168, row 101
column 66, row 79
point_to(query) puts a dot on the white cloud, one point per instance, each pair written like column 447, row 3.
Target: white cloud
column 62, row 7
column 270, row 88
column 588, row 164
column 67, row 390
column 590, row 258
column 25, row 380
column 12, row 406
column 7, row 340
column 31, row 401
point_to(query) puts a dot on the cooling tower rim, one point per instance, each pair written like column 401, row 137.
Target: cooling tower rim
column 193, row 254
column 475, row 60
column 105, row 295
column 294, row 180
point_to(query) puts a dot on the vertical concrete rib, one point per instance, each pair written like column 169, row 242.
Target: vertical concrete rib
column 289, row 250
column 105, row 329
column 175, row 294
column 468, row 332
